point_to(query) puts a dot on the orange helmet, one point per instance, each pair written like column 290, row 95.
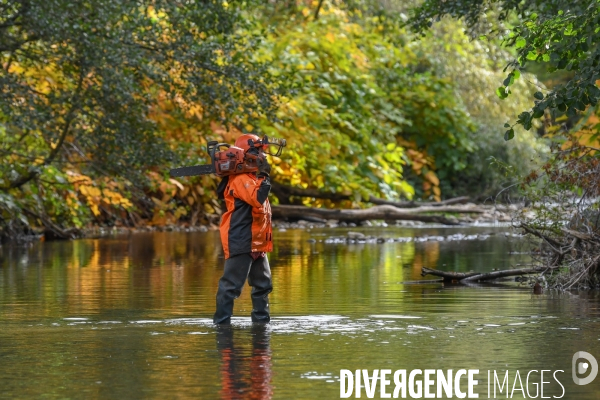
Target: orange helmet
column 244, row 141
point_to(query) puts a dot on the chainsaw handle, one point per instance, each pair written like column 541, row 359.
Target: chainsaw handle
column 279, row 144
column 213, row 146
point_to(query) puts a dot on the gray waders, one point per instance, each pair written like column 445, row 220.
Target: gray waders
column 237, row 269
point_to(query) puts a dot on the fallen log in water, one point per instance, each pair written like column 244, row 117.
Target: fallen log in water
column 385, row 212
column 414, row 204
column 284, row 192
column 480, row 276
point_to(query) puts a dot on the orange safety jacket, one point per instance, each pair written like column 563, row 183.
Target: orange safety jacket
column 246, row 225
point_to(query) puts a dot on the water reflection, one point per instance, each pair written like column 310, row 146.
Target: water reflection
column 245, row 373
column 126, row 316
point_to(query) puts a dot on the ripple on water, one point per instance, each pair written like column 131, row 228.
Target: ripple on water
column 149, row 321
column 427, row 328
column 371, row 326
column 190, row 321
column 316, row 375
column 318, row 318
column 321, row 325
column 315, row 324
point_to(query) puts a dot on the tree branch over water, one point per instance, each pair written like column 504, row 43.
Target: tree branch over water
column 450, row 276
column 71, row 115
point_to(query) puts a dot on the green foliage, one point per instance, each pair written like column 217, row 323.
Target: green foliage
column 561, row 35
column 80, row 80
column 340, row 122
column 564, row 207
column 362, row 92
column 98, row 99
column 474, row 68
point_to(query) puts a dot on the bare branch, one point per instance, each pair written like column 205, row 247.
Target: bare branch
column 34, row 172
column 318, row 9
column 450, row 276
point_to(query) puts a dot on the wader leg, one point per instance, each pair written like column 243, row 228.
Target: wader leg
column 230, row 286
column 260, row 280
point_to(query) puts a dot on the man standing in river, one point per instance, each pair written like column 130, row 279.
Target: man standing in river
column 246, row 237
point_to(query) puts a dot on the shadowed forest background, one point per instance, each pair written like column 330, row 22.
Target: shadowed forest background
column 99, row 99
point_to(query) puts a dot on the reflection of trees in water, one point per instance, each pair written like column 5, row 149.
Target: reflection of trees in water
column 427, row 255
column 245, row 373
column 147, row 270
column 179, row 272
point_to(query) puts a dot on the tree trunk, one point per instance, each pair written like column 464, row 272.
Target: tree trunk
column 385, row 212
column 284, row 192
column 413, row 204
column 480, row 276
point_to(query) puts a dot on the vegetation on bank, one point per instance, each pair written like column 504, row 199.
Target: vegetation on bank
column 560, row 40
column 86, row 93
column 95, row 111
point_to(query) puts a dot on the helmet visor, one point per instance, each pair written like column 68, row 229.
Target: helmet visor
column 273, row 146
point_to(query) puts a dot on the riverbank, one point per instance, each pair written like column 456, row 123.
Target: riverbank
column 481, row 215
column 498, row 215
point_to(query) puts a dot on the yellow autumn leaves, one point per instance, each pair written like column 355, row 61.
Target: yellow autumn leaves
column 96, row 193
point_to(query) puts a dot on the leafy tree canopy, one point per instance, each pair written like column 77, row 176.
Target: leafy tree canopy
column 86, row 76
column 98, row 98
column 81, row 82
column 363, row 97
column 562, row 35
column 431, row 97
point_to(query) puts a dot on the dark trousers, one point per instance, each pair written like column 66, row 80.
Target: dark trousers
column 237, row 269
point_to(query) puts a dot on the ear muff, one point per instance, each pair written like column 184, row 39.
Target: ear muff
column 247, row 141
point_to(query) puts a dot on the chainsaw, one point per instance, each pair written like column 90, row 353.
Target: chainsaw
column 229, row 160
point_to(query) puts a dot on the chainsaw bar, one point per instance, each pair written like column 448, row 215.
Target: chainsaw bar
column 193, row 170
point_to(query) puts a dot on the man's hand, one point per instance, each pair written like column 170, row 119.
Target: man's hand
column 264, row 168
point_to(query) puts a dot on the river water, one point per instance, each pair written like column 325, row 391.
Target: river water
column 129, row 317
